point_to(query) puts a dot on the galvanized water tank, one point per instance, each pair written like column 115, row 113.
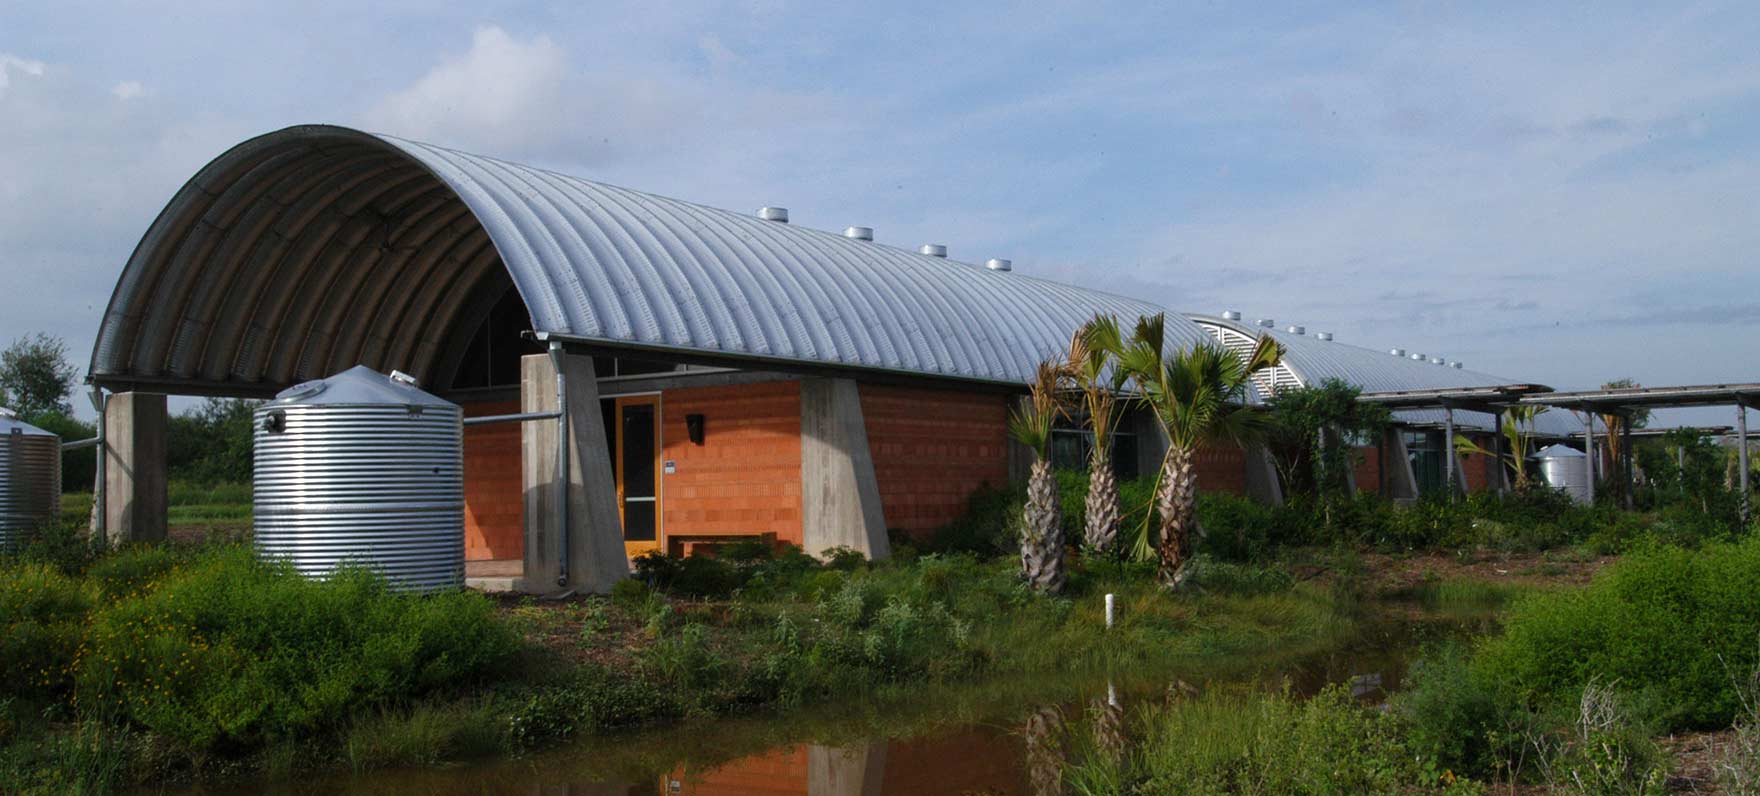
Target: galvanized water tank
column 362, row 467
column 30, row 479
column 1565, row 468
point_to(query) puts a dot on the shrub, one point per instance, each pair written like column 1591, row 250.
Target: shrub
column 1457, row 719
column 1664, row 623
column 231, row 651
column 42, row 611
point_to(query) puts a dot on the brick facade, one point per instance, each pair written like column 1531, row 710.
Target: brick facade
column 494, row 497
column 1222, row 468
column 932, row 449
column 745, row 479
column 1366, row 468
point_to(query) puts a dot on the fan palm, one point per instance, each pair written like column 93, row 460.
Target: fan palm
column 1041, row 523
column 1518, row 433
column 1098, row 384
column 1198, row 396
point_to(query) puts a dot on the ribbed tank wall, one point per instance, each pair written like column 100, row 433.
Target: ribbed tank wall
column 30, row 485
column 381, row 485
column 1569, row 474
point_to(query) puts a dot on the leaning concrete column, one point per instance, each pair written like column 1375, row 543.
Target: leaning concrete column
column 1404, row 484
column 840, row 497
column 596, row 557
column 134, row 468
column 1261, row 477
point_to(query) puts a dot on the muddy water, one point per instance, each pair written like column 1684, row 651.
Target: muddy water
column 959, row 744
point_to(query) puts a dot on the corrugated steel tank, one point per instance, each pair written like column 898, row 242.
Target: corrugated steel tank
column 30, row 479
column 362, row 467
column 1565, row 468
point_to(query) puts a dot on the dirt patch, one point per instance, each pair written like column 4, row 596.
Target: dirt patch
column 1399, row 572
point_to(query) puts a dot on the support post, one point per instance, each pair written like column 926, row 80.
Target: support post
column 585, row 527
column 1742, row 454
column 1261, row 476
column 840, row 496
column 1625, row 463
column 133, row 467
column 1448, row 454
column 1497, row 450
column 1589, row 451
column 1405, row 481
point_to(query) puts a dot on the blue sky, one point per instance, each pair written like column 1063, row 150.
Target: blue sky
column 1558, row 194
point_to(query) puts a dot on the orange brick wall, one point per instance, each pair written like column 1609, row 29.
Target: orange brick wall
column 932, row 449
column 494, row 501
column 1481, row 470
column 745, row 479
column 1367, row 468
column 1222, row 468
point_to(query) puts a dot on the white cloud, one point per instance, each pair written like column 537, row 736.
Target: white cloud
column 10, row 63
column 128, row 89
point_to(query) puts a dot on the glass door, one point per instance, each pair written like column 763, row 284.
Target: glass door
column 638, row 472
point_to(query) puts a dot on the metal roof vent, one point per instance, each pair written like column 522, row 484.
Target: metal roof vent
column 933, row 250
column 1398, row 352
column 1297, row 330
column 1231, row 315
column 1327, row 336
column 859, row 233
column 1268, row 323
column 1456, row 365
column 999, row 264
column 1418, row 357
column 1437, row 360
column 773, row 214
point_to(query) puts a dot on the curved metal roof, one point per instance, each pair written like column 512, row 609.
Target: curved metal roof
column 312, row 249
column 1313, row 360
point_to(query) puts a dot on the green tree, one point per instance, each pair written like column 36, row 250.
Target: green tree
column 1518, row 435
column 1310, row 432
column 1098, row 384
column 1041, row 523
column 211, row 443
column 1198, row 397
column 36, row 378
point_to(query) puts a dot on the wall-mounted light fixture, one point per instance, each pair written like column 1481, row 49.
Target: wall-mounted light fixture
column 693, row 424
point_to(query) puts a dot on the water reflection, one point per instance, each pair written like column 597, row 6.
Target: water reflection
column 1009, row 744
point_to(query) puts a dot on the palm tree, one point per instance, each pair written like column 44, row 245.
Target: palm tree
column 1518, row 434
column 1099, row 383
column 1198, row 396
column 1041, row 523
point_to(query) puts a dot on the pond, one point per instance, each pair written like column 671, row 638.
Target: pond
column 975, row 741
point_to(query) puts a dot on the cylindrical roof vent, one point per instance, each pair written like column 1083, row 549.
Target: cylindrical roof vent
column 1418, row 357
column 1298, row 330
column 1327, row 336
column 1456, row 365
column 999, row 264
column 30, row 479
column 1398, row 352
column 1231, row 315
column 366, row 468
column 859, row 233
column 1437, row 360
column 773, row 214
column 1268, row 323
column 933, row 250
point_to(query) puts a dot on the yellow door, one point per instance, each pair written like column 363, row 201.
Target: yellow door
column 638, row 472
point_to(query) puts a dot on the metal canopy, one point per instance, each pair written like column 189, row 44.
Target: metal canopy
column 1491, row 399
column 313, row 249
column 1610, row 401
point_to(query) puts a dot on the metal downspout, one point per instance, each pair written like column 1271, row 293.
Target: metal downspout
column 562, row 474
column 100, row 506
column 1589, row 451
column 1448, row 454
column 1497, row 453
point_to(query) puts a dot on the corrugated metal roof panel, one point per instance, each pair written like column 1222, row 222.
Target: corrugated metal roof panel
column 312, row 249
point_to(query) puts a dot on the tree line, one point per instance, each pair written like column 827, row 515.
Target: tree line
column 208, row 444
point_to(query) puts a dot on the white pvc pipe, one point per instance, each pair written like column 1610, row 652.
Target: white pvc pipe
column 1110, row 603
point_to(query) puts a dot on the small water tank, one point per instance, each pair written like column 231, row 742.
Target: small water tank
column 362, row 467
column 30, row 479
column 1565, row 468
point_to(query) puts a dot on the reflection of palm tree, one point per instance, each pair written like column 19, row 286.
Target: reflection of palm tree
column 1108, row 717
column 1044, row 736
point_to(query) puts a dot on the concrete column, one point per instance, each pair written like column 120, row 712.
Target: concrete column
column 134, row 468
column 840, row 497
column 1261, row 477
column 846, row 771
column 596, row 558
column 1402, row 482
